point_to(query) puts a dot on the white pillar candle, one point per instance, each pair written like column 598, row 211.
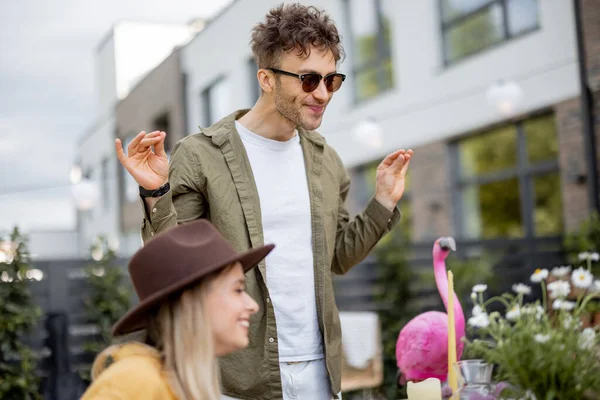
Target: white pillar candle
column 429, row 389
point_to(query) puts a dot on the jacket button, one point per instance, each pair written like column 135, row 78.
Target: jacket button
column 271, row 340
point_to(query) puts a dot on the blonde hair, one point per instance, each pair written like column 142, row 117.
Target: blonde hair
column 181, row 332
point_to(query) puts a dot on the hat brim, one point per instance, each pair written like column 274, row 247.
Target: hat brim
column 134, row 319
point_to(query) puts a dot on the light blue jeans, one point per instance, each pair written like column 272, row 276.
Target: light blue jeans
column 303, row 380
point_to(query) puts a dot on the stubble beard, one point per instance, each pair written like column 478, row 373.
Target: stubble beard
column 289, row 107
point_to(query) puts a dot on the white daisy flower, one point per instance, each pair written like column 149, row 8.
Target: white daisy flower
column 479, row 321
column 588, row 256
column 559, row 304
column 583, row 256
column 5, row 257
column 562, row 271
column 539, row 275
column 587, row 338
column 97, row 253
column 5, row 277
column 582, row 278
column 521, row 288
column 568, row 305
column 477, row 310
column 7, row 246
column 559, row 289
column 596, row 286
column 541, row 338
column 536, row 310
column 514, row 313
column 8, row 251
column 479, row 288
column 528, row 309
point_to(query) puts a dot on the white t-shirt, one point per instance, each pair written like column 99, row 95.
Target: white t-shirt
column 280, row 176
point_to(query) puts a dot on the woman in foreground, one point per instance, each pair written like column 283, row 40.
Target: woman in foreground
column 194, row 308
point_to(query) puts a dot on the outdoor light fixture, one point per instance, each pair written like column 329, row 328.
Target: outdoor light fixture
column 85, row 192
column 505, row 97
column 76, row 174
column 369, row 133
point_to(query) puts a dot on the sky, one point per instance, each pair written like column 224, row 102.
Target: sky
column 47, row 95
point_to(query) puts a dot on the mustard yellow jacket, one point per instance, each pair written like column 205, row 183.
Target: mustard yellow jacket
column 128, row 371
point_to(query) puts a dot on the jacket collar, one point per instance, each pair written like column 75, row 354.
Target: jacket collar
column 118, row 352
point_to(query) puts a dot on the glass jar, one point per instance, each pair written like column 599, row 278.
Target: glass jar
column 475, row 381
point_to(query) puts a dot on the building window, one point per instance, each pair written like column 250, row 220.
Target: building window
column 508, row 181
column 90, row 174
column 215, row 100
column 470, row 26
column 362, row 189
column 104, row 184
column 371, row 46
column 255, row 89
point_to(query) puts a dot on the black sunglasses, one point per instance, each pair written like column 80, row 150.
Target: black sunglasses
column 311, row 81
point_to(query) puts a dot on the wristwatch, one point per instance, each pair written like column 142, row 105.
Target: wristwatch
column 156, row 192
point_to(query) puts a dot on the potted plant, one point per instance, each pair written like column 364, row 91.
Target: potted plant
column 541, row 348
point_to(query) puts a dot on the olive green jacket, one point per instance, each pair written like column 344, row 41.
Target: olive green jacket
column 211, row 177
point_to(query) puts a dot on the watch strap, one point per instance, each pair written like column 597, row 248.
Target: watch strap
column 156, row 192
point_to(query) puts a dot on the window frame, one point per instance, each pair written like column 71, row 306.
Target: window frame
column 205, row 99
column 524, row 171
column 162, row 121
column 383, row 53
column 255, row 89
column 445, row 26
column 361, row 192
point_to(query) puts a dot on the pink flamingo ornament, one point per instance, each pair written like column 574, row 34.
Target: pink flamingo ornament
column 422, row 346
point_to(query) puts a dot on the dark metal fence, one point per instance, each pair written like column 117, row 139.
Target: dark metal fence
column 64, row 328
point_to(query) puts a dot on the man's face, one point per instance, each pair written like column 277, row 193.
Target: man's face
column 303, row 109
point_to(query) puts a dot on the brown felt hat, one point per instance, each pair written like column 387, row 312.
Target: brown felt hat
column 175, row 260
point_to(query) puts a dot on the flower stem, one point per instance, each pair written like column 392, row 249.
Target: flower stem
column 544, row 297
column 498, row 298
column 587, row 300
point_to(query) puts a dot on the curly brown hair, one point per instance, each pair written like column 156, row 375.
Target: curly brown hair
column 294, row 26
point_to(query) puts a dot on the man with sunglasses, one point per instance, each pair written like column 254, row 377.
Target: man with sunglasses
column 265, row 175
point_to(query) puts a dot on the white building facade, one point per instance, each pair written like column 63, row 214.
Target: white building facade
column 419, row 76
column 124, row 57
column 421, row 72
